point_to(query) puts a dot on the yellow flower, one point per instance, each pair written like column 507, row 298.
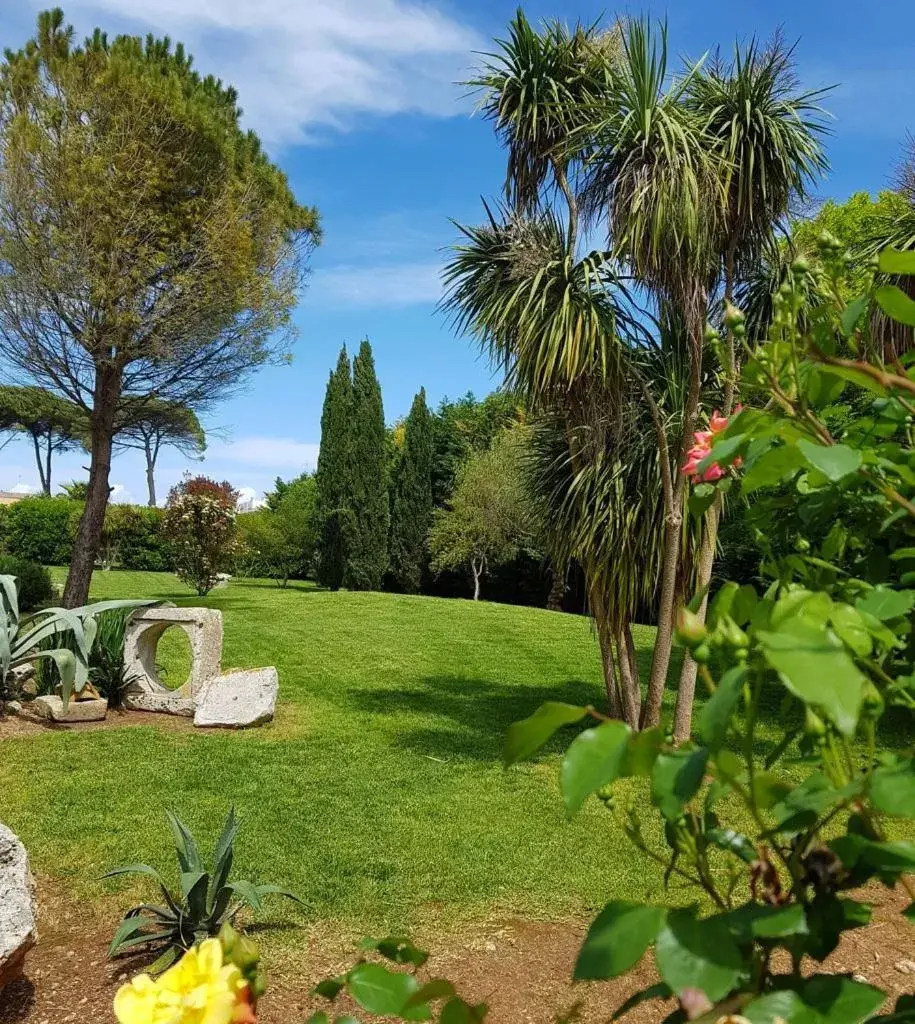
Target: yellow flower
column 199, row 989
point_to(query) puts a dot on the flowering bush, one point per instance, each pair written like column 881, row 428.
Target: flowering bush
column 200, row 528
column 698, row 466
column 217, row 982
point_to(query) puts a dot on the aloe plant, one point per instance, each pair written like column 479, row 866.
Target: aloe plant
column 23, row 639
column 205, row 901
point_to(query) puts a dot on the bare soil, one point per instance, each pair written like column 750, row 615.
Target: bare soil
column 25, row 723
column 520, row 968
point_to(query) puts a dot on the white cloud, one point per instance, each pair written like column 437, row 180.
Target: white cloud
column 23, row 489
column 266, row 453
column 306, row 65
column 403, row 284
column 249, row 499
column 120, row 495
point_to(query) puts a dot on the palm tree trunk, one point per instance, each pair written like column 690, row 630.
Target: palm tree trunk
column 629, row 679
column 673, row 525
column 686, row 690
column 598, row 608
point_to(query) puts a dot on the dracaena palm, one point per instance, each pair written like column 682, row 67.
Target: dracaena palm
column 653, row 179
column 765, row 136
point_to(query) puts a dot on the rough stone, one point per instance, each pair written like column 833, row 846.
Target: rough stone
column 18, row 932
column 13, row 707
column 238, row 699
column 168, row 703
column 204, row 630
column 76, row 710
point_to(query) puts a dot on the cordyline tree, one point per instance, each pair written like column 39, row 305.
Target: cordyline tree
column 157, row 425
column 54, row 424
column 411, row 499
column 333, row 475
column 691, row 177
column 367, row 545
column 149, row 250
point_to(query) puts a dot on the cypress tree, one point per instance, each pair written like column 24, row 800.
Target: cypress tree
column 367, row 554
column 411, row 500
column 333, row 476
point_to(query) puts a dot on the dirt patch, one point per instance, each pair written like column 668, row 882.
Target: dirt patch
column 520, row 968
column 27, row 724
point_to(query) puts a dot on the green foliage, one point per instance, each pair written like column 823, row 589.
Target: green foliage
column 464, row 426
column 38, row 529
column 177, row 246
column 33, row 581
column 199, row 526
column 411, row 499
column 207, row 898
column 367, row 545
column 334, row 478
column 53, row 424
column 279, row 541
column 488, row 520
column 64, row 636
column 134, row 538
column 76, row 490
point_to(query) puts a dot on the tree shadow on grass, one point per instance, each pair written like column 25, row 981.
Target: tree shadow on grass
column 453, row 716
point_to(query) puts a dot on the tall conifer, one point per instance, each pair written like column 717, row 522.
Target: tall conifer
column 334, row 478
column 367, row 546
column 411, row 499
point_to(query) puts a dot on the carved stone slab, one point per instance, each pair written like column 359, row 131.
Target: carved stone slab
column 147, row 692
column 238, row 699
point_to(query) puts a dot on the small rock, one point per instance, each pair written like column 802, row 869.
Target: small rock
column 906, row 966
column 238, row 699
column 860, row 979
column 76, row 711
column 13, row 707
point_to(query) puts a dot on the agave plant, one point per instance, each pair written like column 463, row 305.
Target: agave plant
column 206, row 899
column 24, row 639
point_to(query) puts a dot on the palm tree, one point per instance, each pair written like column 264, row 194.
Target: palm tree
column 652, row 178
column 765, row 138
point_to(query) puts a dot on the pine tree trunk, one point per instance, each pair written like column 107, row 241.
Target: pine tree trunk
column 89, row 533
column 43, row 479
column 150, row 476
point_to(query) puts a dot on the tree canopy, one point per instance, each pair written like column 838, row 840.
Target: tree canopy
column 159, row 425
column 53, row 423
column 149, row 248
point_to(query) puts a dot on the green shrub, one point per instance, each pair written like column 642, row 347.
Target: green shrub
column 39, row 529
column 134, row 538
column 33, row 581
column 206, row 901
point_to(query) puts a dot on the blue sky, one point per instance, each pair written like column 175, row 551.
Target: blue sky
column 357, row 100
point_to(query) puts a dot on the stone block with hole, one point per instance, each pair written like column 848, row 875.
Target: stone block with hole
column 146, row 691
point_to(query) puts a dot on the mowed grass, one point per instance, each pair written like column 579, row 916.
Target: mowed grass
column 378, row 793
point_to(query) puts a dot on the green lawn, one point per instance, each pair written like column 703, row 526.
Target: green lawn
column 378, row 793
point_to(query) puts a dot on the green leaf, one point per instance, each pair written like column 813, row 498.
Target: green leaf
column 762, row 921
column 318, row 1018
column 379, row 990
column 892, row 789
column 885, row 603
column 456, row 1011
column 835, row 461
column 814, row 665
column 397, row 948
column 852, row 314
column 526, row 737
column 715, row 715
column 896, row 304
column 657, row 991
column 185, row 845
column 850, row 628
column 897, row 261
column 733, row 842
column 642, row 751
column 594, row 759
column 822, row 999
column 698, row 954
column 247, row 891
column 330, row 988
column 617, row 939
column 772, row 468
column 438, row 988
column 676, row 778
column 803, row 805
column 909, row 913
